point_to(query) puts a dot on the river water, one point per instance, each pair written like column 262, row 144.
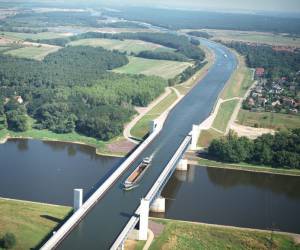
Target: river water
column 49, row 171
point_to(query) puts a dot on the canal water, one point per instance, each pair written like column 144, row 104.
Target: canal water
column 49, row 171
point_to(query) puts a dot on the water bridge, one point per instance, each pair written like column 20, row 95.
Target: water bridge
column 110, row 214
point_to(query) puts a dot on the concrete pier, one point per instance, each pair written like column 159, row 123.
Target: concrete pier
column 153, row 126
column 195, row 135
column 182, row 165
column 144, row 217
column 78, row 198
column 159, row 205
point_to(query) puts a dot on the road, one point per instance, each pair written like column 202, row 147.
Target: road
column 105, row 221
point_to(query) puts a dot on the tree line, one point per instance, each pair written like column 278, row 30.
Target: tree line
column 73, row 89
column 276, row 63
column 279, row 150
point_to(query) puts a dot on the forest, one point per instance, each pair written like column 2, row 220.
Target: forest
column 281, row 150
column 73, row 90
column 185, row 19
column 276, row 63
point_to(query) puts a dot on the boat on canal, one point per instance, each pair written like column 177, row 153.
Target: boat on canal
column 134, row 178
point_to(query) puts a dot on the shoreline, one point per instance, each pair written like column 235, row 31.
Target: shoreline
column 254, row 169
column 295, row 236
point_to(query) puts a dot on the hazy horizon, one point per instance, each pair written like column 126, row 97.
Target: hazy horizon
column 230, row 5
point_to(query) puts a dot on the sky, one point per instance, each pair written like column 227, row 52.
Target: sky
column 248, row 5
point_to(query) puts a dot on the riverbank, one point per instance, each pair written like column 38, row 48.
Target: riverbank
column 240, row 166
column 30, row 222
column 192, row 235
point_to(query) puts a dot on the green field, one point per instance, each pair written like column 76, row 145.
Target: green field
column 141, row 128
column 24, row 36
column 162, row 68
column 239, row 82
column 129, row 46
column 36, row 53
column 29, row 222
column 255, row 37
column 268, row 120
column 224, row 114
column 188, row 235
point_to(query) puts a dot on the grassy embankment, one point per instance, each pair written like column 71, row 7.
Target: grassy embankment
column 255, row 37
column 189, row 235
column 236, row 87
column 29, row 222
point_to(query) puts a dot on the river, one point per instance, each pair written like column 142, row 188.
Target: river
column 49, row 171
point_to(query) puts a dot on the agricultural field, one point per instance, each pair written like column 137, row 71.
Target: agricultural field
column 129, row 46
column 162, row 68
column 268, row 120
column 32, row 52
column 29, row 222
column 37, row 36
column 255, row 37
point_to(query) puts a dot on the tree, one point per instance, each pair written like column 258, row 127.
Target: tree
column 9, row 240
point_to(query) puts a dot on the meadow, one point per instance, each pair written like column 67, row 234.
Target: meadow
column 32, row 52
column 162, row 68
column 129, row 46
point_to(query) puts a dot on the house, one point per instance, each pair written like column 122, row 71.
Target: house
column 258, row 89
column 288, row 101
column 259, row 72
column 293, row 111
column 276, row 103
column 19, row 99
column 262, row 101
column 251, row 102
column 277, row 88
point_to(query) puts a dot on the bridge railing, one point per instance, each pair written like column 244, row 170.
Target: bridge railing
column 153, row 191
column 73, row 221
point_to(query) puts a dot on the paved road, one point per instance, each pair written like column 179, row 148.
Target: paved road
column 105, row 221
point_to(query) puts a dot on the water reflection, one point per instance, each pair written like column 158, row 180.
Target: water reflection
column 233, row 197
column 49, row 171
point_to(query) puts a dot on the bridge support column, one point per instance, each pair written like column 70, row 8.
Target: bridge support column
column 159, row 205
column 144, row 216
column 152, row 126
column 182, row 165
column 195, row 135
column 77, row 199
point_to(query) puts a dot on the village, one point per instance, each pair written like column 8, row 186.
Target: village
column 280, row 96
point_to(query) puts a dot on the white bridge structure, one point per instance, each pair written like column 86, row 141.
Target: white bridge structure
column 152, row 198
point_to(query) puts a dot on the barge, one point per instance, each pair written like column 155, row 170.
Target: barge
column 134, row 178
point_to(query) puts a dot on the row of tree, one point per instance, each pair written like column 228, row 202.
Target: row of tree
column 162, row 55
column 279, row 150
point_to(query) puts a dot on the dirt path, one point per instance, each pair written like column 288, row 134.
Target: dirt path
column 250, row 132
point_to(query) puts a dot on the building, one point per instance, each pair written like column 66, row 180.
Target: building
column 259, row 72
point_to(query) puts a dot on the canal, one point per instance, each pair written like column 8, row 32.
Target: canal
column 49, row 171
